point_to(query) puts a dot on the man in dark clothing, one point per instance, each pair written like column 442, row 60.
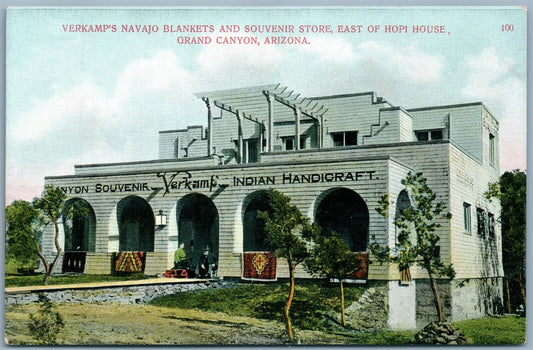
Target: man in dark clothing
column 207, row 261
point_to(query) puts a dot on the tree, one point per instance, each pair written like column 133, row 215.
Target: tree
column 331, row 257
column 419, row 218
column 51, row 207
column 26, row 222
column 511, row 191
column 283, row 223
column 20, row 219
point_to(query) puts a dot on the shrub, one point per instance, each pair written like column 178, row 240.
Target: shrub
column 46, row 323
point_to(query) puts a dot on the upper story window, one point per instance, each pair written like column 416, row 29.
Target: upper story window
column 467, row 217
column 429, row 135
column 288, row 142
column 492, row 149
column 482, row 221
column 491, row 226
column 347, row 138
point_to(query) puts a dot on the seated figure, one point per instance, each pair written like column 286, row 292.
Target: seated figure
column 181, row 260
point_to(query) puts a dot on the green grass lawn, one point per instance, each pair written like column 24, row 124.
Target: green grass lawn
column 37, row 280
column 267, row 301
column 494, row 330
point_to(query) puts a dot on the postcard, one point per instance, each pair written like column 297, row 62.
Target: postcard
column 265, row 175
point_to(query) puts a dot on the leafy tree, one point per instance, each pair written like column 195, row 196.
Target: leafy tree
column 283, row 223
column 26, row 222
column 20, row 218
column 332, row 258
column 511, row 191
column 51, row 207
column 419, row 218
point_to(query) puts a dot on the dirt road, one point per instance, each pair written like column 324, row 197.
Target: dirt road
column 112, row 324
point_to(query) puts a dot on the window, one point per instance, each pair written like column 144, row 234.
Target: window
column 347, row 138
column 491, row 226
column 428, row 135
column 251, row 149
column 436, row 134
column 467, row 213
column 422, row 135
column 492, row 149
column 302, row 142
column 288, row 143
column 481, row 222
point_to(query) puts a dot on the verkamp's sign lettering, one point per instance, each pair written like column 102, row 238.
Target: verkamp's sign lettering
column 184, row 180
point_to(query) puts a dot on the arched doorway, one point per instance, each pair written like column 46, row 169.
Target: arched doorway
column 344, row 211
column 197, row 218
column 254, row 234
column 402, row 203
column 79, row 224
column 136, row 224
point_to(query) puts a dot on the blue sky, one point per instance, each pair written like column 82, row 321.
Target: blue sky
column 80, row 98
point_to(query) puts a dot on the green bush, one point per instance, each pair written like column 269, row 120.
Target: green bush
column 46, row 324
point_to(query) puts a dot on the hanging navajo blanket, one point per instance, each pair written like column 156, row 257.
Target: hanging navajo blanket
column 258, row 266
column 362, row 272
column 126, row 262
column 73, row 262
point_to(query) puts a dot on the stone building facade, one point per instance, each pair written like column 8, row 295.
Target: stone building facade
column 334, row 156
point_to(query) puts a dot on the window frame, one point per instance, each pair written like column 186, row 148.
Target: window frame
column 467, row 218
column 343, row 135
column 429, row 134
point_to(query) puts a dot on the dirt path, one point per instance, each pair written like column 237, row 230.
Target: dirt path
column 112, row 324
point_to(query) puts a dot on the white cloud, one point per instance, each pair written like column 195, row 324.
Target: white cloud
column 218, row 57
column 495, row 80
column 161, row 72
column 226, row 66
column 80, row 105
column 332, row 50
column 409, row 62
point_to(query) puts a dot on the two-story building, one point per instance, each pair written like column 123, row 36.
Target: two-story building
column 334, row 156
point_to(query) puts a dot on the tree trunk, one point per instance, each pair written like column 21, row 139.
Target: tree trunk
column 436, row 296
column 522, row 288
column 508, row 296
column 50, row 269
column 289, row 301
column 343, row 315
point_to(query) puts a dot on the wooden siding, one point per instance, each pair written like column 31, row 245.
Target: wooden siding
column 465, row 125
column 472, row 255
column 228, row 201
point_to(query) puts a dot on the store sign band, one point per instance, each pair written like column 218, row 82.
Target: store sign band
column 184, row 180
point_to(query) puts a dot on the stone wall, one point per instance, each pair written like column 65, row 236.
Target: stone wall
column 426, row 311
column 473, row 298
column 136, row 294
column 370, row 312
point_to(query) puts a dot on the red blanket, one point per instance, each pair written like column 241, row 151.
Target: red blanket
column 259, row 266
column 362, row 272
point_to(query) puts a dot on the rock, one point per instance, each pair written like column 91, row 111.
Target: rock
column 439, row 340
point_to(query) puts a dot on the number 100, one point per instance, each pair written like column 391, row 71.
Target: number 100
column 507, row 27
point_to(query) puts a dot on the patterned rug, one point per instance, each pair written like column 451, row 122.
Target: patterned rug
column 128, row 261
column 73, row 262
column 258, row 266
column 362, row 272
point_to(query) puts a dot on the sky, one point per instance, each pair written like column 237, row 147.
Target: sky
column 98, row 97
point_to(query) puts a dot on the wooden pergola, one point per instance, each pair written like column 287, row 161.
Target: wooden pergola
column 257, row 104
